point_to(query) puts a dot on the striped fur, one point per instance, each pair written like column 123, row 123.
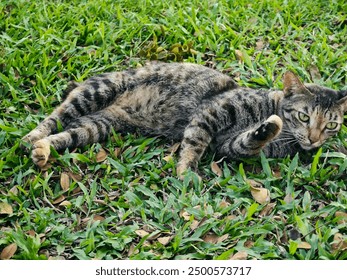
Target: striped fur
column 196, row 105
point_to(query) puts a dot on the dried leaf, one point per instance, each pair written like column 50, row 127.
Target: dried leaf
column 211, row 238
column 259, row 45
column 224, row 204
column 216, row 169
column 239, row 55
column 65, row 203
column 8, row 252
column 222, row 238
column 98, row 218
column 342, row 217
column 141, row 232
column 14, row 190
column 185, row 215
column 267, row 209
column 304, row 245
column 340, row 243
column 101, row 155
column 231, row 217
column 168, row 158
column 117, row 152
column 249, row 244
column 260, row 195
column 164, row 240
column 64, row 181
column 75, row 177
column 5, row 208
column 173, row 149
column 242, row 255
column 194, row 225
column 59, row 199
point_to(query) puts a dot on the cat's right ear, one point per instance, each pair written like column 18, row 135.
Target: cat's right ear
column 343, row 102
column 293, row 85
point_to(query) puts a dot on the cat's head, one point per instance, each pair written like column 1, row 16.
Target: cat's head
column 311, row 113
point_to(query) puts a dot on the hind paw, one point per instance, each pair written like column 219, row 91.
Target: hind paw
column 40, row 153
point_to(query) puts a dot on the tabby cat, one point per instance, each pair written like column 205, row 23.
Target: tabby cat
column 196, row 105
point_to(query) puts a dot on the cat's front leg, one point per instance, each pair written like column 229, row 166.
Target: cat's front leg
column 196, row 138
column 252, row 141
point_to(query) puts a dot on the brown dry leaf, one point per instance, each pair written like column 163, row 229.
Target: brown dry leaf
column 249, row 244
column 259, row 45
column 64, row 181
column 267, row 209
column 65, row 203
column 239, row 55
column 59, row 199
column 304, row 245
column 224, row 204
column 98, row 218
column 340, row 243
column 194, row 225
column 8, row 252
column 260, row 195
column 216, row 169
column 231, row 217
column 185, row 215
column 117, row 151
column 222, row 238
column 75, row 177
column 173, row 149
column 168, row 158
column 132, row 250
column 342, row 217
column 14, row 190
column 5, row 208
column 242, row 255
column 141, row 232
column 211, row 238
column 164, row 240
column 101, row 155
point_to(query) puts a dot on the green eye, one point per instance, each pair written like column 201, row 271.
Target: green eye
column 303, row 117
column 331, row 125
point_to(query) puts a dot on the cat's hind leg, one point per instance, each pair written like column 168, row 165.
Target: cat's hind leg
column 85, row 130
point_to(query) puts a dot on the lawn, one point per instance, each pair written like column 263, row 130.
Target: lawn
column 121, row 199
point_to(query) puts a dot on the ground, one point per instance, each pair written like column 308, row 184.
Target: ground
column 121, row 199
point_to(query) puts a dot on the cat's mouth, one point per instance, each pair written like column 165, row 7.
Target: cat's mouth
column 310, row 146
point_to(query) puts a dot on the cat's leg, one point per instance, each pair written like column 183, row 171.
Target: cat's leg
column 196, row 138
column 81, row 99
column 252, row 141
column 85, row 130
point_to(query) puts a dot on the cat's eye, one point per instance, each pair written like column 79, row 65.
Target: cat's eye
column 303, row 117
column 331, row 125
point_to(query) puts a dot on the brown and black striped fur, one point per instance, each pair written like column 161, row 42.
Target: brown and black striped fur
column 196, row 105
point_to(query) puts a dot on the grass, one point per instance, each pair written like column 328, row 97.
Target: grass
column 121, row 199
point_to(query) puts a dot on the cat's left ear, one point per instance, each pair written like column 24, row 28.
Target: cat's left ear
column 343, row 102
column 293, row 85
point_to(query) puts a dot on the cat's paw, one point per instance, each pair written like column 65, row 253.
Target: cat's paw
column 183, row 171
column 269, row 129
column 40, row 153
column 33, row 136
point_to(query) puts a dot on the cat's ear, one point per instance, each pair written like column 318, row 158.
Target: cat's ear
column 293, row 85
column 343, row 102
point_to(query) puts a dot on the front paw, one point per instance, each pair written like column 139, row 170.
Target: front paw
column 40, row 153
column 183, row 170
column 33, row 137
column 269, row 129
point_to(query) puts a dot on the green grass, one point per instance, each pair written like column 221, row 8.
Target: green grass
column 127, row 203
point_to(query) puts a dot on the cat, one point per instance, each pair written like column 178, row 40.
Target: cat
column 197, row 106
